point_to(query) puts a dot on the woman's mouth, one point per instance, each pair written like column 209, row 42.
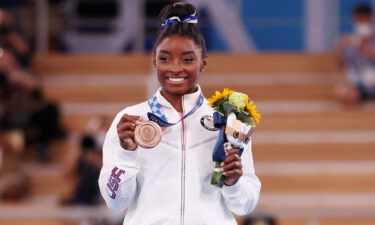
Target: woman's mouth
column 176, row 79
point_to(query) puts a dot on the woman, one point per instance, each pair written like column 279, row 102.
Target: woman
column 170, row 183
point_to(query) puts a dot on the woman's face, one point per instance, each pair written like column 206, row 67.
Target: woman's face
column 178, row 62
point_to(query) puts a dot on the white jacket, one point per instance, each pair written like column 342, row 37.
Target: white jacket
column 170, row 183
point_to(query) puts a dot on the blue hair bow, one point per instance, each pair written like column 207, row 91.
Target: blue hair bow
column 187, row 19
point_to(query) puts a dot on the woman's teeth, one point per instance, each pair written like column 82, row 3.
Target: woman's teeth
column 175, row 79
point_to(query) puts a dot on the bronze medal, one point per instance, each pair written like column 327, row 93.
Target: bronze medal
column 147, row 134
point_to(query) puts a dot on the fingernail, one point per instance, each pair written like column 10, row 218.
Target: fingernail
column 222, row 170
column 222, row 164
column 137, row 122
column 224, row 174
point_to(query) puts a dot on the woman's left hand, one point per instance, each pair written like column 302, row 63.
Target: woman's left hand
column 232, row 167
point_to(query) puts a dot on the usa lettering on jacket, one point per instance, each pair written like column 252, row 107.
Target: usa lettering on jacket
column 114, row 181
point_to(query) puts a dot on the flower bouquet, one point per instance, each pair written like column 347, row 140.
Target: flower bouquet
column 236, row 116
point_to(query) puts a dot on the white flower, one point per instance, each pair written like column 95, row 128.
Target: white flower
column 238, row 100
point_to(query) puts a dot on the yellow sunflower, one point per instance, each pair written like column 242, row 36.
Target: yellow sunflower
column 227, row 92
column 219, row 95
column 251, row 108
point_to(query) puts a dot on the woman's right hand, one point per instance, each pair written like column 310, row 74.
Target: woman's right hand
column 125, row 131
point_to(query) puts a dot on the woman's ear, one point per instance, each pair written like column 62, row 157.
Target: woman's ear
column 154, row 61
column 204, row 64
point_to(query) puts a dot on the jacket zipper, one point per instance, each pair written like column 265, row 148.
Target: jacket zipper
column 183, row 159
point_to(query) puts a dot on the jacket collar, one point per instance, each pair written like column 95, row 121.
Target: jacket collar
column 188, row 100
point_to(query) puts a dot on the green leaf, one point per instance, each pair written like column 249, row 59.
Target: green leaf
column 221, row 101
column 221, row 109
column 245, row 118
column 217, row 178
column 219, row 106
column 229, row 108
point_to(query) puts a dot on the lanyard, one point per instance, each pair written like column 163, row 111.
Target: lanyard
column 158, row 117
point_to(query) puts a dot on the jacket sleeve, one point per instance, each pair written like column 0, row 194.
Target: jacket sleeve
column 117, row 180
column 242, row 197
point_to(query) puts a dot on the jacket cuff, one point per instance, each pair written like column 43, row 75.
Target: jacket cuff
column 126, row 158
column 233, row 190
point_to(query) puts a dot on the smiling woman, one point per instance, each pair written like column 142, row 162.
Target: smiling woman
column 163, row 176
column 179, row 52
column 178, row 62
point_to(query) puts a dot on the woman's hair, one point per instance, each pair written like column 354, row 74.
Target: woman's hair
column 175, row 27
column 362, row 9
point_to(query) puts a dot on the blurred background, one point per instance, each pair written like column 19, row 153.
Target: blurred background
column 68, row 66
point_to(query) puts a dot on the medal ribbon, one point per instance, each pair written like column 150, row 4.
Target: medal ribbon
column 158, row 117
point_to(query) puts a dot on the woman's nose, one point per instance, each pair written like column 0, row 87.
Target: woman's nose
column 175, row 68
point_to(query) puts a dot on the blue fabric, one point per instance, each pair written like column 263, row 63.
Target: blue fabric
column 168, row 22
column 218, row 153
column 155, row 108
column 158, row 120
column 187, row 18
column 158, row 117
column 219, row 120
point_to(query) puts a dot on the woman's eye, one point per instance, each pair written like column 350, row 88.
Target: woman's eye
column 188, row 60
column 163, row 59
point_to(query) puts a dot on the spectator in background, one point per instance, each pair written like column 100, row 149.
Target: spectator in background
column 356, row 54
column 14, row 184
column 84, row 161
column 97, row 128
column 16, row 76
column 17, row 87
column 87, row 168
column 11, row 38
column 23, row 107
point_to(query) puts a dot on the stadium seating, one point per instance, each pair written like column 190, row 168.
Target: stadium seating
column 313, row 156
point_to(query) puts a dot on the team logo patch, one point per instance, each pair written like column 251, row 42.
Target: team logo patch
column 208, row 123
